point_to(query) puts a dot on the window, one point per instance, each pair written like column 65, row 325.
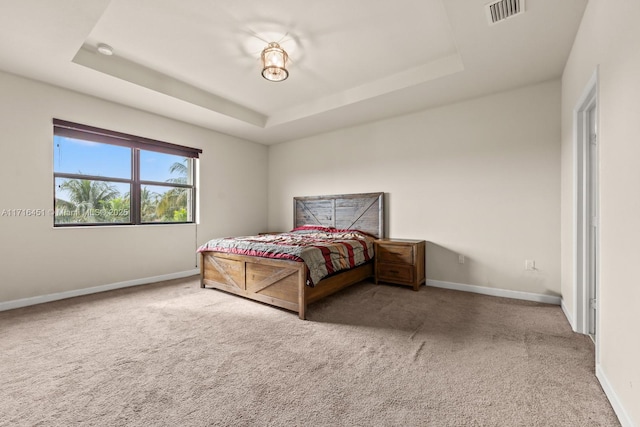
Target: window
column 103, row 177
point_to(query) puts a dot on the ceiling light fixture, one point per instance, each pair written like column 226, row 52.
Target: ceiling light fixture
column 274, row 63
column 105, row 49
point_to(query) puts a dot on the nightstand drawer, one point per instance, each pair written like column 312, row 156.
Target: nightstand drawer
column 400, row 261
column 395, row 254
column 395, row 273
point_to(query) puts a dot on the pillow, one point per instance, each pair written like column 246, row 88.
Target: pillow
column 311, row 227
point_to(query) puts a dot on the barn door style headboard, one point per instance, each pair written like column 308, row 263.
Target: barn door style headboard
column 364, row 212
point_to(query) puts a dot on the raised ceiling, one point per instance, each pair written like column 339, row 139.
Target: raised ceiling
column 351, row 61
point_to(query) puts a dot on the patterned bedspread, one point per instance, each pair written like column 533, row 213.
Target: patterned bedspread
column 324, row 250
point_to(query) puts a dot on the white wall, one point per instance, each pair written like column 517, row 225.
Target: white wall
column 608, row 39
column 40, row 260
column 479, row 178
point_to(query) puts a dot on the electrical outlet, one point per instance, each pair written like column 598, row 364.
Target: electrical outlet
column 460, row 259
column 529, row 264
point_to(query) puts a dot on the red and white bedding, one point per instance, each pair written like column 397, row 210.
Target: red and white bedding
column 325, row 250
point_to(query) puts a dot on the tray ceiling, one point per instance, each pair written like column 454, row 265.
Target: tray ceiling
column 351, row 62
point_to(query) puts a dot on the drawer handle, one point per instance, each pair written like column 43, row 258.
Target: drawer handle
column 394, row 271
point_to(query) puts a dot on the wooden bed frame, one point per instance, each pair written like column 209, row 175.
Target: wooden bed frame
column 282, row 283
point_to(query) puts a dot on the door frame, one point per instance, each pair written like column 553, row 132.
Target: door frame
column 582, row 220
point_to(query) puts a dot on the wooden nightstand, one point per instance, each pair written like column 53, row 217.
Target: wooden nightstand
column 400, row 261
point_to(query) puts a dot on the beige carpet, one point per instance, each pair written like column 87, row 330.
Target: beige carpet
column 172, row 354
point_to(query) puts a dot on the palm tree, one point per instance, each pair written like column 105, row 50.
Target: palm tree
column 172, row 207
column 118, row 209
column 182, row 170
column 149, row 205
column 64, row 211
column 85, row 196
column 172, row 201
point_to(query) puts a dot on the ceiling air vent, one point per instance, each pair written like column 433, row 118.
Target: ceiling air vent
column 500, row 10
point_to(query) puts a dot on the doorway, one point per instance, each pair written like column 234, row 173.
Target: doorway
column 587, row 199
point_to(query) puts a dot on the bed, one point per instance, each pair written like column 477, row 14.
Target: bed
column 286, row 283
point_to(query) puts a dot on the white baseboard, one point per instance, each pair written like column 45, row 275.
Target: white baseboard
column 24, row 302
column 623, row 417
column 567, row 315
column 505, row 293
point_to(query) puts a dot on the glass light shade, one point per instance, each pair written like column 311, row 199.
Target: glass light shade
column 274, row 63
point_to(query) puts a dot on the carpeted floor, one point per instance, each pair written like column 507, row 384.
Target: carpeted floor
column 172, row 354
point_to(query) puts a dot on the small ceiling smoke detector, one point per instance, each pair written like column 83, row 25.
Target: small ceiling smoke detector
column 498, row 11
column 105, row 49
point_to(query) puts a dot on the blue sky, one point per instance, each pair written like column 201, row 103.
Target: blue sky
column 112, row 161
column 90, row 158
